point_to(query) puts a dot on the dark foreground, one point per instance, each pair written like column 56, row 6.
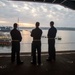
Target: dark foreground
column 64, row 65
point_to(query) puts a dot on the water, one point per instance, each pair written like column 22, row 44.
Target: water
column 66, row 43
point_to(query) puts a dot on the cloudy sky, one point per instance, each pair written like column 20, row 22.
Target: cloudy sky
column 27, row 13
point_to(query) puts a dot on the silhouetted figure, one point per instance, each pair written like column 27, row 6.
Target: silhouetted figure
column 16, row 39
column 36, row 44
column 51, row 42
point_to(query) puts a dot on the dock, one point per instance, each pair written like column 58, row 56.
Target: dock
column 64, row 65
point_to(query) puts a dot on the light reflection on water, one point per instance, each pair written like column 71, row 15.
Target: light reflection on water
column 66, row 43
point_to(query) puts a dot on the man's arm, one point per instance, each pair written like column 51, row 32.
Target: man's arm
column 48, row 34
column 32, row 33
column 20, row 37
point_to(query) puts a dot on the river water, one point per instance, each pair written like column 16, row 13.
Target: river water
column 66, row 43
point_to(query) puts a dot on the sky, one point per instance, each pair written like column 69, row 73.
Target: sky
column 26, row 14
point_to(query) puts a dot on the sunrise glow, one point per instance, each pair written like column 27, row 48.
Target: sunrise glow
column 26, row 25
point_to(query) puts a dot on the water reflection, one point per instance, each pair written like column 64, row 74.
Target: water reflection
column 26, row 36
column 67, row 42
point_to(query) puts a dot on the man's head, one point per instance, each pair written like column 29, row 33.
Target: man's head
column 51, row 23
column 37, row 24
column 15, row 25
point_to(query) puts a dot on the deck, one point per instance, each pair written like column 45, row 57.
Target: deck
column 64, row 65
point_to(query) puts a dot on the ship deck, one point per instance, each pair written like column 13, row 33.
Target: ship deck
column 64, row 65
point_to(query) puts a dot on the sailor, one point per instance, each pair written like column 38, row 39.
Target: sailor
column 36, row 43
column 51, row 42
column 16, row 39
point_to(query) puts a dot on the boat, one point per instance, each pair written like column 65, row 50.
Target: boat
column 58, row 38
column 5, row 40
column 5, row 43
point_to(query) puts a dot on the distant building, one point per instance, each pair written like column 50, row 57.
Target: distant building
column 5, row 29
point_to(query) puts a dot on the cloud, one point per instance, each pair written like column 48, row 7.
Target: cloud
column 3, row 22
column 2, row 4
column 30, row 12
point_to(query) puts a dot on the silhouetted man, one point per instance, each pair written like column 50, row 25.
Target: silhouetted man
column 36, row 44
column 16, row 39
column 51, row 42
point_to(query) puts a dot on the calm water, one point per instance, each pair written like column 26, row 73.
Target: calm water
column 66, row 43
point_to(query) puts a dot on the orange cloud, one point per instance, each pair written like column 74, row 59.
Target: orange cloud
column 26, row 24
column 3, row 22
